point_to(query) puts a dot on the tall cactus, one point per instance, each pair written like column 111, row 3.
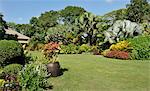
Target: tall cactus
column 88, row 25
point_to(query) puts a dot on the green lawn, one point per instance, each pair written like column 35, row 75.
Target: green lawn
column 95, row 73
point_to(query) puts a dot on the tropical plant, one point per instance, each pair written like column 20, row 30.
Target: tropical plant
column 121, row 30
column 88, row 27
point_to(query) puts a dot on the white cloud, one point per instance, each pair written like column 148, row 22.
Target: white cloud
column 109, row 1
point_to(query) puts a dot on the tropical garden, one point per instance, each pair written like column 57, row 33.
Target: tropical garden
column 74, row 50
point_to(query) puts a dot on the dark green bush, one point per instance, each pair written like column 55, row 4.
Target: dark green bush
column 140, row 47
column 10, row 52
column 12, row 69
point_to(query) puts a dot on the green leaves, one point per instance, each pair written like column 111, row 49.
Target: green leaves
column 140, row 47
column 3, row 25
column 137, row 10
column 10, row 49
column 32, row 77
column 90, row 24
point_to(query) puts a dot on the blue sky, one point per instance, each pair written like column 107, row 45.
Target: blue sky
column 21, row 11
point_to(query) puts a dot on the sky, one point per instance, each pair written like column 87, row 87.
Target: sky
column 21, row 11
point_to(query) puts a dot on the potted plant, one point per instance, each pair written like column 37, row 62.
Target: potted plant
column 51, row 53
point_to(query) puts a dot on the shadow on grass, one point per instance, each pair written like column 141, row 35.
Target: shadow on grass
column 62, row 70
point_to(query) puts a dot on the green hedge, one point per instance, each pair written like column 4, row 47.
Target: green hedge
column 10, row 52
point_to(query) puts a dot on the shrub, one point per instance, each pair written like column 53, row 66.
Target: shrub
column 104, row 53
column 10, row 52
column 2, row 81
column 51, row 49
column 32, row 78
column 140, row 47
column 69, row 49
column 95, row 50
column 12, row 69
column 118, row 54
column 122, row 45
column 84, row 48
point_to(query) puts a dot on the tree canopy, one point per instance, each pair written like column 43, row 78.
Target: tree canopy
column 138, row 10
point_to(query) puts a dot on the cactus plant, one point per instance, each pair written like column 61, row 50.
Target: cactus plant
column 88, row 25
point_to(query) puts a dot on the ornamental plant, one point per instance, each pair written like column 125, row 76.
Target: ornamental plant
column 118, row 54
column 84, row 48
column 33, row 78
column 120, row 46
column 51, row 50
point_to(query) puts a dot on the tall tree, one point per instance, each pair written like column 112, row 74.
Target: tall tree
column 137, row 10
column 48, row 19
column 70, row 13
column 115, row 15
column 3, row 26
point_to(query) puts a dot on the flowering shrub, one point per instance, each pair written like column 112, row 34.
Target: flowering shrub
column 122, row 45
column 51, row 49
column 118, row 54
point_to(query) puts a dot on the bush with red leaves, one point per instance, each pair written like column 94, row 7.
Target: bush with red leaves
column 51, row 49
column 118, row 54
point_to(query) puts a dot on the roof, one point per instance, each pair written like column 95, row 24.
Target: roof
column 20, row 36
column 23, row 42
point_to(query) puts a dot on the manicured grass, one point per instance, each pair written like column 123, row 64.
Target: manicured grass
column 95, row 73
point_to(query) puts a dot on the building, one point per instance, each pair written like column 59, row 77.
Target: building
column 20, row 37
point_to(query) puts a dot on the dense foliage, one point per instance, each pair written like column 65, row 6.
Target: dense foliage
column 10, row 52
column 32, row 78
column 69, row 49
column 12, row 69
column 140, row 47
column 138, row 10
column 3, row 25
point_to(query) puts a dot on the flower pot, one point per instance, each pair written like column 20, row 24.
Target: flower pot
column 53, row 68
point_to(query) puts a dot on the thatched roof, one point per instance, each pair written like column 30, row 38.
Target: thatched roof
column 20, row 36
